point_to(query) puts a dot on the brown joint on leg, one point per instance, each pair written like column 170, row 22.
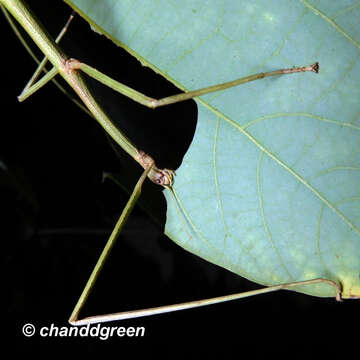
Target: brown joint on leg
column 153, row 104
column 162, row 177
column 71, row 64
column 144, row 159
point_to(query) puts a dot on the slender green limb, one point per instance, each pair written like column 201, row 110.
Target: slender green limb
column 191, row 94
column 199, row 303
column 17, row 33
column 109, row 245
column 28, row 49
column 68, row 69
column 65, row 67
column 115, row 85
column 154, row 103
column 20, row 11
column 35, row 87
column 44, row 60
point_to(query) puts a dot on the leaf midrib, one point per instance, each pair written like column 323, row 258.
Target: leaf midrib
column 281, row 163
column 325, row 202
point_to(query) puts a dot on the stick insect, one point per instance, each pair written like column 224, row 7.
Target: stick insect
column 70, row 69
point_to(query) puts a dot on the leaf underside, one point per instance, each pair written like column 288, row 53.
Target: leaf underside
column 270, row 186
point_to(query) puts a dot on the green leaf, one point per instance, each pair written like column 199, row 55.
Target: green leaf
column 270, row 187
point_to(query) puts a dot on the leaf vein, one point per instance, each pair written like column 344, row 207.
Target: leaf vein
column 216, row 178
column 262, row 210
column 282, row 163
column 301, row 114
column 331, row 22
column 229, row 265
column 318, row 237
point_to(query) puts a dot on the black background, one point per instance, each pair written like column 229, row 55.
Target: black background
column 59, row 213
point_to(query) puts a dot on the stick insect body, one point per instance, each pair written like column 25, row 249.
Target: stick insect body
column 70, row 70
